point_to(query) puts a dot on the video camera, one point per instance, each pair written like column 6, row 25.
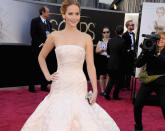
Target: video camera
column 149, row 44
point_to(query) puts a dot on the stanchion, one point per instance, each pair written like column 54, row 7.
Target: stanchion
column 133, row 88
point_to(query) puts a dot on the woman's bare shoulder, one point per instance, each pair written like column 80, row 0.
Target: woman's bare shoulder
column 57, row 35
column 57, row 32
column 86, row 36
column 88, row 39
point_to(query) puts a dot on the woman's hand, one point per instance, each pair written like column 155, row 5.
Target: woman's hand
column 53, row 77
column 93, row 98
column 104, row 49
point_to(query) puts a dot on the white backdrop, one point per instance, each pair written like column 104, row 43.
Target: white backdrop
column 149, row 16
column 15, row 18
column 106, row 1
column 134, row 17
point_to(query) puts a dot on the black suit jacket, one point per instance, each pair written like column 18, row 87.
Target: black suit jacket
column 38, row 35
column 128, row 41
column 155, row 64
column 38, row 31
column 130, row 55
column 115, row 49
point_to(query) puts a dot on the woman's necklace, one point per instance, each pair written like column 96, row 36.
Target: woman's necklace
column 105, row 40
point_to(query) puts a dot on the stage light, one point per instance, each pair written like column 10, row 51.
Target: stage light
column 113, row 5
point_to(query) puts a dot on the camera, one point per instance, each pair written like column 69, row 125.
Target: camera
column 149, row 44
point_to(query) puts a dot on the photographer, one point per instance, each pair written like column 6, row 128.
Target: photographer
column 155, row 65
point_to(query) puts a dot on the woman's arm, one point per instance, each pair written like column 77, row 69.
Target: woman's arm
column 91, row 67
column 98, row 48
column 141, row 60
column 48, row 46
column 109, row 47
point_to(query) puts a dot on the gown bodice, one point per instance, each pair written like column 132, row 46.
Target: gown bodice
column 71, row 78
column 70, row 57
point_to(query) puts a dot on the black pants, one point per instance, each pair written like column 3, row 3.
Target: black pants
column 126, row 80
column 144, row 91
column 115, row 80
column 129, row 69
column 37, row 75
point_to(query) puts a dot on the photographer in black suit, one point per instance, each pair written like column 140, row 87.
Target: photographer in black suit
column 115, row 49
column 130, row 54
column 154, row 60
column 40, row 28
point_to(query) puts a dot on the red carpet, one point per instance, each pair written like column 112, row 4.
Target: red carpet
column 16, row 105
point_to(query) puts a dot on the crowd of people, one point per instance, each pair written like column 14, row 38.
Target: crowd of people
column 117, row 58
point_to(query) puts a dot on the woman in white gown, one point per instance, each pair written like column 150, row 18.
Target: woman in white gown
column 65, row 107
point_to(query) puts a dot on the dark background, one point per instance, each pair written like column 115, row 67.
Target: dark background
column 16, row 61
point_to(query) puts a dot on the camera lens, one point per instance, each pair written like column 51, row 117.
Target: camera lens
column 148, row 43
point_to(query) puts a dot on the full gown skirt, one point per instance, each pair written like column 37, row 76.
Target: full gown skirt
column 65, row 107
